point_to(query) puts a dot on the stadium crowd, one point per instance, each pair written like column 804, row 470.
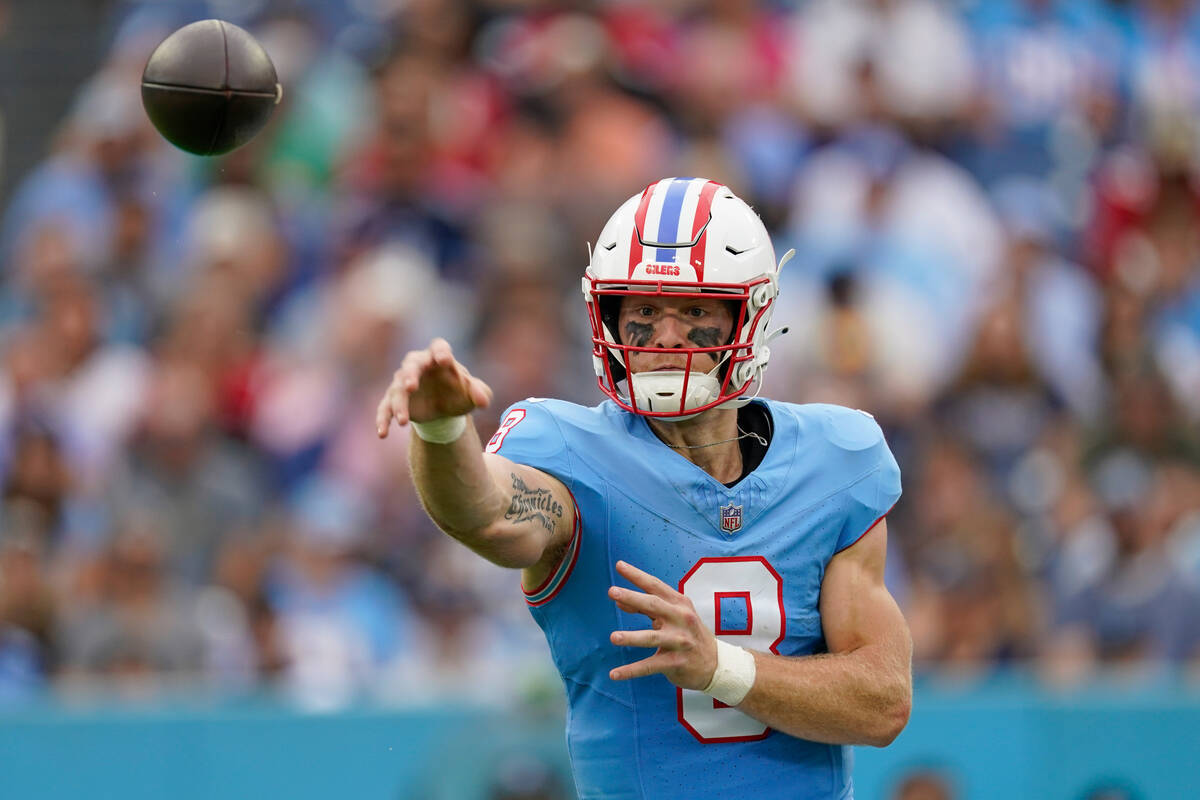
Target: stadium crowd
column 995, row 210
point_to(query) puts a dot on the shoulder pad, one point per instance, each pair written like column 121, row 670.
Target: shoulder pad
column 851, row 429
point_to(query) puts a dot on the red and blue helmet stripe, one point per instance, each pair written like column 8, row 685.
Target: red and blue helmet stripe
column 672, row 217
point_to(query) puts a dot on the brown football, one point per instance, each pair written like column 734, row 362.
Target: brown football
column 209, row 87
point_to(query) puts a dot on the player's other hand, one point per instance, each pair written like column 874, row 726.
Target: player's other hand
column 685, row 650
column 429, row 385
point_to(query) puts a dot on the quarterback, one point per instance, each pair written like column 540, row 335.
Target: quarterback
column 707, row 565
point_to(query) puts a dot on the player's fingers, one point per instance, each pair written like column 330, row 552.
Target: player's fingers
column 397, row 402
column 628, row 609
column 414, row 361
column 644, row 580
column 653, row 665
column 481, row 393
column 638, row 603
column 411, row 369
column 383, row 415
column 440, row 352
column 646, row 638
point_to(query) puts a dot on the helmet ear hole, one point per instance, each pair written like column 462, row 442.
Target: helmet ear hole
column 610, row 314
column 617, row 368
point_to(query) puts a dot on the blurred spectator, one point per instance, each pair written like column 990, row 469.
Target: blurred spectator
column 96, row 385
column 37, row 487
column 62, row 374
column 335, row 343
column 915, row 49
column 525, row 347
column 204, row 487
column 1164, row 54
column 523, row 778
column 924, row 784
column 1043, row 80
column 339, row 620
column 916, row 234
column 1059, row 308
column 1140, row 608
column 28, row 612
column 233, row 236
column 141, row 626
column 972, row 606
column 106, row 152
column 388, row 187
column 473, row 639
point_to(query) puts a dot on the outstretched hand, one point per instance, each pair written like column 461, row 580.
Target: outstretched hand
column 429, row 385
column 685, row 650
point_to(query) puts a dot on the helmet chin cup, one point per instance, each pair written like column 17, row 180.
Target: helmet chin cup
column 662, row 392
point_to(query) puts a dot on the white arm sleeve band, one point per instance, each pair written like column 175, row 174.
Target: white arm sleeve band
column 441, row 431
column 734, row 675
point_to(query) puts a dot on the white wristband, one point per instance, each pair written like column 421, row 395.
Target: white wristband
column 734, row 675
column 441, row 431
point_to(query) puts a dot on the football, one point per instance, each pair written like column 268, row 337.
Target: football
column 209, row 87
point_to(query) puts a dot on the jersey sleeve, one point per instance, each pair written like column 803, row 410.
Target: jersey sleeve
column 529, row 434
column 872, row 496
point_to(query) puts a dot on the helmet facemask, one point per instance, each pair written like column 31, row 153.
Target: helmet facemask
column 696, row 387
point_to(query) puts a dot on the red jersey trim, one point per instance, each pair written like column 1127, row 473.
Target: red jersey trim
column 550, row 587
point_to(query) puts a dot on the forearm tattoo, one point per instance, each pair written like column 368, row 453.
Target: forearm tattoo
column 705, row 337
column 533, row 504
column 638, row 333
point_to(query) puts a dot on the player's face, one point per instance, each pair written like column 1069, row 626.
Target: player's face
column 674, row 322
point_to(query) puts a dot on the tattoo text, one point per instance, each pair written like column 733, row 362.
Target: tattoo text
column 533, row 504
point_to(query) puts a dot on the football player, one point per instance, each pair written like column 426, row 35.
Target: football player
column 707, row 565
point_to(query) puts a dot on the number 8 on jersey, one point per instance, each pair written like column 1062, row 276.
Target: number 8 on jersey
column 741, row 600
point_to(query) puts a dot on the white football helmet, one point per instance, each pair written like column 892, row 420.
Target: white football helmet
column 678, row 237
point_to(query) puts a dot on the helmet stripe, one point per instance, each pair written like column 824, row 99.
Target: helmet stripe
column 639, row 222
column 703, row 209
column 689, row 211
column 654, row 215
column 668, row 222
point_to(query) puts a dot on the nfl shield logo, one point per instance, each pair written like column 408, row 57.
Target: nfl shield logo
column 731, row 518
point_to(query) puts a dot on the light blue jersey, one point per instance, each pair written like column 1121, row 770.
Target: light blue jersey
column 751, row 558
